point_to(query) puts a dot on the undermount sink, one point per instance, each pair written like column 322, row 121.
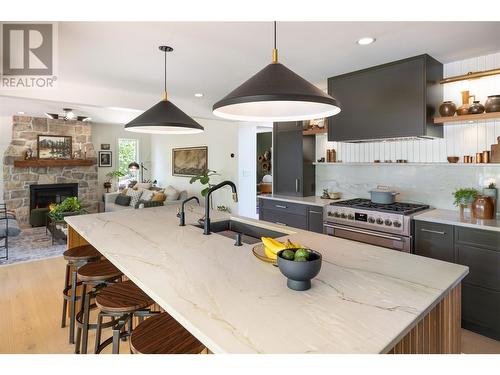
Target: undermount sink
column 250, row 234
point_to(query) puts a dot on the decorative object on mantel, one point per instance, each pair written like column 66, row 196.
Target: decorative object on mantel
column 476, row 108
column 464, row 108
column 54, row 146
column 492, row 104
column 464, row 198
column 105, row 159
column 483, row 208
column 28, row 155
column 447, row 108
column 470, row 75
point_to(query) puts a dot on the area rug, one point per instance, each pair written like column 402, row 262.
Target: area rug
column 32, row 244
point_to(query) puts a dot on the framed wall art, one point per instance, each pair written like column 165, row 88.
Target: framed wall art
column 54, row 147
column 105, row 159
column 189, row 161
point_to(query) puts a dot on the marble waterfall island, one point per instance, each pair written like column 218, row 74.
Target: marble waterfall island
column 366, row 299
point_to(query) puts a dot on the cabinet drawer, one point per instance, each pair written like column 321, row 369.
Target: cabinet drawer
column 292, row 208
column 484, row 266
column 434, row 241
column 284, row 218
column 478, row 237
column 481, row 306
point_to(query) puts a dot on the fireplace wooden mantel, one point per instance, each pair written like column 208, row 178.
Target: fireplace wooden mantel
column 40, row 163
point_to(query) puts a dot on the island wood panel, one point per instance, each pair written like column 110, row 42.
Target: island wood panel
column 439, row 332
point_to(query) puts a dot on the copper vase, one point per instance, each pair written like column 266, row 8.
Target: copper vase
column 483, row 207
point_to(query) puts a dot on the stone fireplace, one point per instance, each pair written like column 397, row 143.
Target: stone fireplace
column 42, row 195
column 18, row 180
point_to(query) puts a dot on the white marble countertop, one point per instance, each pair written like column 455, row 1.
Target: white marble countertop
column 452, row 217
column 312, row 200
column 364, row 300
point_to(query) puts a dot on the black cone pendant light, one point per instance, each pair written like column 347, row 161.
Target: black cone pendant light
column 276, row 94
column 164, row 117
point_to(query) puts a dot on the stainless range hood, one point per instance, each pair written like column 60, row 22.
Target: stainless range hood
column 390, row 101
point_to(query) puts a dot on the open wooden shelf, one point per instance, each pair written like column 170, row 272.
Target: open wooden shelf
column 40, row 163
column 315, row 131
column 463, row 118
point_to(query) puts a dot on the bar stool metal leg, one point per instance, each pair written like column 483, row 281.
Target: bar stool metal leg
column 98, row 332
column 65, row 300
column 72, row 306
column 86, row 318
column 79, row 329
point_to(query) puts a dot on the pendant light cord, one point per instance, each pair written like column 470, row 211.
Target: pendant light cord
column 275, row 50
column 165, row 78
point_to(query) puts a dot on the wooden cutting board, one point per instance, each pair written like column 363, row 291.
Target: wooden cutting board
column 495, row 154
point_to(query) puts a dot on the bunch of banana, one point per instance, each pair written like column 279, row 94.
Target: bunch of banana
column 272, row 246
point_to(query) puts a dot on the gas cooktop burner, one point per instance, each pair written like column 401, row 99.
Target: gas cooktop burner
column 397, row 207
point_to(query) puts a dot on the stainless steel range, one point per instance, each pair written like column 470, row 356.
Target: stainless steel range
column 387, row 225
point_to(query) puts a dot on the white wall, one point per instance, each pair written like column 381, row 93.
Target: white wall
column 110, row 133
column 5, row 138
column 221, row 137
column 429, row 183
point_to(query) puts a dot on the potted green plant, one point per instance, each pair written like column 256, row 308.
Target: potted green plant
column 68, row 207
column 110, row 177
column 204, row 179
column 464, row 198
column 491, row 191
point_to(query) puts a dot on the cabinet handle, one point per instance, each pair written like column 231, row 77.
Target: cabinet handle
column 277, row 222
column 433, row 231
column 297, row 183
column 316, row 212
column 280, row 206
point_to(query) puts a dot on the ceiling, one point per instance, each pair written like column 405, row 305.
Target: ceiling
column 112, row 71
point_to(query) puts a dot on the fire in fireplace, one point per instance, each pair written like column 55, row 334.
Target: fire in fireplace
column 41, row 196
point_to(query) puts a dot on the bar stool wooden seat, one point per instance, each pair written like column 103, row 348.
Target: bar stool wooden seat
column 122, row 301
column 97, row 275
column 162, row 334
column 76, row 257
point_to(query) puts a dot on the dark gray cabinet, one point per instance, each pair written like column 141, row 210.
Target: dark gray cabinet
column 293, row 154
column 434, row 241
column 398, row 99
column 480, row 251
column 295, row 215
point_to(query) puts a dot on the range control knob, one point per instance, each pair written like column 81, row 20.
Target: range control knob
column 380, row 221
column 329, row 213
column 396, row 223
column 388, row 222
column 336, row 214
column 371, row 220
column 350, row 217
column 343, row 215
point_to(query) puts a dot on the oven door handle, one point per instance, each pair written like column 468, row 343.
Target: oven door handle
column 400, row 239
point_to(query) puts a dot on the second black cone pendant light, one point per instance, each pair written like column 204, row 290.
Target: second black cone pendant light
column 164, row 117
column 276, row 94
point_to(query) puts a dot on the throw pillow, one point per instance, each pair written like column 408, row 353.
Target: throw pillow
column 147, row 195
column 171, row 193
column 142, row 185
column 134, row 195
column 122, row 200
column 159, row 197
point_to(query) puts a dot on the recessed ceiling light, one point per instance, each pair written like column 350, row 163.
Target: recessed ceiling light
column 20, row 113
column 365, row 41
column 199, row 95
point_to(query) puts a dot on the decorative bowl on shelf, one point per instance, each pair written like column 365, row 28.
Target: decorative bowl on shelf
column 453, row 159
column 476, row 108
column 447, row 109
column 299, row 273
column 492, row 104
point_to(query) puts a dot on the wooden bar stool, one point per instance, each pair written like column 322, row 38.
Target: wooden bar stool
column 97, row 275
column 162, row 334
column 76, row 257
column 121, row 301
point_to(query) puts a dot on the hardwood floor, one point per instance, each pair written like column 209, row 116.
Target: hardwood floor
column 30, row 313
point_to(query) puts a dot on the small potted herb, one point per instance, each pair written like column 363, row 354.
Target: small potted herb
column 491, row 189
column 464, row 198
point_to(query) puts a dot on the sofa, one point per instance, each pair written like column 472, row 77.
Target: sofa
column 110, row 199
